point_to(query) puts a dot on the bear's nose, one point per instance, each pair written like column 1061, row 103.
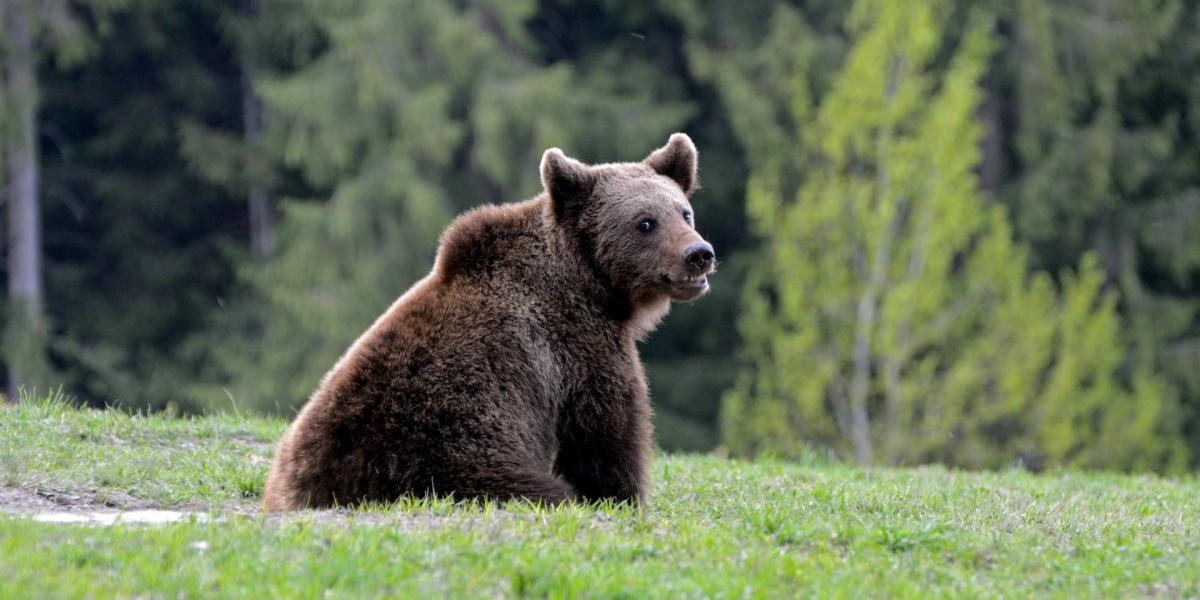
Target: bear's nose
column 699, row 256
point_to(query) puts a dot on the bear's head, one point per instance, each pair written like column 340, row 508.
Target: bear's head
column 633, row 221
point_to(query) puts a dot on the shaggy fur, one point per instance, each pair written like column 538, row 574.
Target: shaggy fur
column 511, row 370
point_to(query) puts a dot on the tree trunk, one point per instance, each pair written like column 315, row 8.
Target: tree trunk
column 860, row 431
column 991, row 165
column 865, row 322
column 897, row 356
column 258, row 201
column 875, row 281
column 23, row 344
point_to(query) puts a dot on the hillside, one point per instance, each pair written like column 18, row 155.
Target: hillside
column 714, row 528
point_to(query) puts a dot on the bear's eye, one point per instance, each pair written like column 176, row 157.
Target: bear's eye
column 687, row 217
column 646, row 226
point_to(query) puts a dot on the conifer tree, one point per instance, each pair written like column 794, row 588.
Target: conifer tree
column 31, row 31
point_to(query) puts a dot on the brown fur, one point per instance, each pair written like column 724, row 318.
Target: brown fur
column 511, row 370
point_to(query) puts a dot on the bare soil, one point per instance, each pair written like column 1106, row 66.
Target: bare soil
column 26, row 500
column 50, row 504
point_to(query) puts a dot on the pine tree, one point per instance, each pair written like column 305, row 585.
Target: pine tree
column 269, row 38
column 139, row 248
column 30, row 31
column 894, row 318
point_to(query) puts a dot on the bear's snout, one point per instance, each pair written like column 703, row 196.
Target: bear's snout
column 699, row 257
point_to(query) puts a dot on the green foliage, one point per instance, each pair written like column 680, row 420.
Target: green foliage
column 63, row 34
column 893, row 317
column 136, row 244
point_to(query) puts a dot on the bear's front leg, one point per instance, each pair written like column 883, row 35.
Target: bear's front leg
column 605, row 439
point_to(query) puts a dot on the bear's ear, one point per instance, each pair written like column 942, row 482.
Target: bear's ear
column 677, row 160
column 568, row 181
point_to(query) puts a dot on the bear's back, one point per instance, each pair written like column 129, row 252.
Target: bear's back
column 459, row 366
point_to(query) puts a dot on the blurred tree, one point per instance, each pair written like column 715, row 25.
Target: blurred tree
column 267, row 38
column 892, row 317
column 32, row 30
column 140, row 248
column 743, row 57
column 25, row 333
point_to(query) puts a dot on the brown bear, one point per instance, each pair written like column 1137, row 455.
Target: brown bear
column 511, row 370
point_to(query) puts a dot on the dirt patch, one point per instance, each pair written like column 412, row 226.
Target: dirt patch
column 58, row 506
column 27, row 500
column 254, row 443
column 115, row 508
column 62, row 506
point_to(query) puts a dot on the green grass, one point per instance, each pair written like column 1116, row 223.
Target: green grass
column 713, row 528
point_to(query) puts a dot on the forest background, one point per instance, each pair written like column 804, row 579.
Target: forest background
column 961, row 232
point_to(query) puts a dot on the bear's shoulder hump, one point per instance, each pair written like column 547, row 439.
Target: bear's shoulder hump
column 479, row 237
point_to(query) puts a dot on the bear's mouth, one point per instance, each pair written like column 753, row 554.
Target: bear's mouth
column 688, row 287
column 698, row 281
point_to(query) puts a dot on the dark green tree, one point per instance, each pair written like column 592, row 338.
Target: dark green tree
column 56, row 33
column 137, row 245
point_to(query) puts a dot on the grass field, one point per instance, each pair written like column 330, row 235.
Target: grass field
column 713, row 528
